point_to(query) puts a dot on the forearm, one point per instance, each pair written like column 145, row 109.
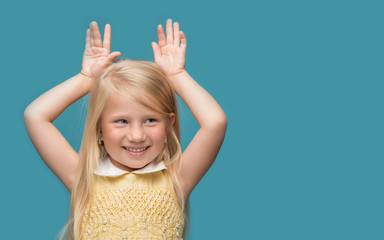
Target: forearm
column 203, row 106
column 52, row 103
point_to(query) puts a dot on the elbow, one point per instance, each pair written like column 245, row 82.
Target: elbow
column 27, row 114
column 219, row 123
column 36, row 113
column 222, row 122
column 30, row 115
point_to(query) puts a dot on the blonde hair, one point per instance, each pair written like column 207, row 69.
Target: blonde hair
column 147, row 84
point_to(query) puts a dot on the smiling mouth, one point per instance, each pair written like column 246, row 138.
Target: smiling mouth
column 136, row 150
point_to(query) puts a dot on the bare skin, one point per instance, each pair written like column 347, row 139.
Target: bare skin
column 169, row 53
column 201, row 152
column 53, row 148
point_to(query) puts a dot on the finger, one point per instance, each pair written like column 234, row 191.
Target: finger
column 88, row 39
column 95, row 35
column 183, row 41
column 161, row 36
column 91, row 40
column 113, row 56
column 107, row 37
column 176, row 34
column 156, row 51
column 169, row 31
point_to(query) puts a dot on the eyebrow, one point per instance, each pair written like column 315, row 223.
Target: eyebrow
column 129, row 116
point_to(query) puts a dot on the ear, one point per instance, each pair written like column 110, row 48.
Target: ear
column 101, row 136
column 172, row 119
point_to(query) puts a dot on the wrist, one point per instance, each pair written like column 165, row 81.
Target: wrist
column 86, row 80
column 84, row 75
column 181, row 74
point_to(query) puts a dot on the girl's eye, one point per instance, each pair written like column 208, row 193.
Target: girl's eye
column 121, row 121
column 151, row 120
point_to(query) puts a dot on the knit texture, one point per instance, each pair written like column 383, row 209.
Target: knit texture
column 133, row 206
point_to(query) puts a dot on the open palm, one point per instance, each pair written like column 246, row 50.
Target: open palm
column 97, row 54
column 169, row 52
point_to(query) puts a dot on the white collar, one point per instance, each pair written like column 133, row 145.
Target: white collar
column 106, row 168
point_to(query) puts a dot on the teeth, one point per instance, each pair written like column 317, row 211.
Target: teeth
column 135, row 149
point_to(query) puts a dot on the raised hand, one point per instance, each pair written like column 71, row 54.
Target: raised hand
column 97, row 54
column 169, row 53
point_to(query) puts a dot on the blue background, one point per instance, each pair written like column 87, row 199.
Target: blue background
column 301, row 83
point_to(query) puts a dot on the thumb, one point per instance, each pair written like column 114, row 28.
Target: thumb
column 112, row 56
column 156, row 51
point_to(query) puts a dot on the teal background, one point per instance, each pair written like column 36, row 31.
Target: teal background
column 300, row 81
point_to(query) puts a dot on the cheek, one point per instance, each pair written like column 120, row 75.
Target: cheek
column 158, row 134
column 111, row 135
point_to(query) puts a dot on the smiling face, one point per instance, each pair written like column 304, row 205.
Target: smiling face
column 132, row 135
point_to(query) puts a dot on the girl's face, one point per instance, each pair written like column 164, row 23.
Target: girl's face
column 133, row 136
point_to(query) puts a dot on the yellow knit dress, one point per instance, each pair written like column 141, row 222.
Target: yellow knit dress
column 132, row 205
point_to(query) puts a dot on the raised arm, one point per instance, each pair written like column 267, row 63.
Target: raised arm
column 51, row 145
column 169, row 53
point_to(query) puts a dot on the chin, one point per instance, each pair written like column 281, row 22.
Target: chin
column 130, row 165
column 137, row 165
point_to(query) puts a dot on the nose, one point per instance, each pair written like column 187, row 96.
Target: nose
column 136, row 134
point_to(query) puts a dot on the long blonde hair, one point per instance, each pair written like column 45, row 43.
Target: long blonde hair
column 147, row 84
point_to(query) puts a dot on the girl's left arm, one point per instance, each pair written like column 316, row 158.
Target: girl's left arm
column 169, row 53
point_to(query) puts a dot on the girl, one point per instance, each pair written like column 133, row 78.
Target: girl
column 130, row 179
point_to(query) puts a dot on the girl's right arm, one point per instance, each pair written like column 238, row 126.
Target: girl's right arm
column 51, row 145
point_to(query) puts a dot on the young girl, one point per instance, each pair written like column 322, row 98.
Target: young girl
column 130, row 179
